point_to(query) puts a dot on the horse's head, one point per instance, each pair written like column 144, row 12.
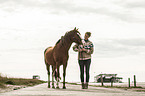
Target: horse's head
column 76, row 36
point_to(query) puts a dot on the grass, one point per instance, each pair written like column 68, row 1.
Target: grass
column 121, row 87
column 18, row 81
column 115, row 86
column 2, row 85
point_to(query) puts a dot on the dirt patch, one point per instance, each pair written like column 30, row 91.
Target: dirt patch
column 11, row 88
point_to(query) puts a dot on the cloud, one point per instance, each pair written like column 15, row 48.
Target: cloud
column 135, row 3
column 132, row 42
column 127, row 11
column 119, row 47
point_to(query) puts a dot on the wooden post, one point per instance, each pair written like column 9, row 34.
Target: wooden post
column 134, row 81
column 128, row 82
column 102, row 80
column 112, row 82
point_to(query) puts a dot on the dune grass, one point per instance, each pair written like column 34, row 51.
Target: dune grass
column 121, row 87
column 18, row 81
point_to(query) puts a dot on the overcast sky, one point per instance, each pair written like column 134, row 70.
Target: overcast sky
column 105, row 18
column 120, row 21
column 117, row 26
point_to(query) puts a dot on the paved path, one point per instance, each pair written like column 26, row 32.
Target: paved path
column 72, row 90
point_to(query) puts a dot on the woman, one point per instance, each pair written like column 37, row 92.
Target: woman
column 84, row 58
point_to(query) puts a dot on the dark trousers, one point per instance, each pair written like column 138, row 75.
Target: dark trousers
column 84, row 65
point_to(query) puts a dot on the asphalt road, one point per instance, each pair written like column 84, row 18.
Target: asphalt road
column 72, row 90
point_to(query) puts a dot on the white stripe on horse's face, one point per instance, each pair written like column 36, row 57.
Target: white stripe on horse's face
column 79, row 35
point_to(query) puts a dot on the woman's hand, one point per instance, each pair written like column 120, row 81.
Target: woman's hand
column 80, row 50
column 83, row 49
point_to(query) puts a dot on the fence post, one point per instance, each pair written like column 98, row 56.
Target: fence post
column 134, row 81
column 102, row 80
column 128, row 82
column 111, row 82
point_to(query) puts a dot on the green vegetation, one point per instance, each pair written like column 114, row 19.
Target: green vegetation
column 18, row 81
column 116, row 86
column 140, row 89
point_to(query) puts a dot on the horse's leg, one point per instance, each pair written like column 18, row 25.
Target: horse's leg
column 53, row 70
column 48, row 70
column 57, row 74
column 64, row 74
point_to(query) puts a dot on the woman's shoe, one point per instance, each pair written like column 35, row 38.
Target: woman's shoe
column 83, row 85
column 86, row 85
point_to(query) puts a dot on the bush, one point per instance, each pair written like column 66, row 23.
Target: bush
column 18, row 81
column 2, row 85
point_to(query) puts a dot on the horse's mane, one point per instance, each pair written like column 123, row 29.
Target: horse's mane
column 67, row 35
column 58, row 40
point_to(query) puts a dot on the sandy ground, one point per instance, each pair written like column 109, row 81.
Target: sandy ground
column 72, row 90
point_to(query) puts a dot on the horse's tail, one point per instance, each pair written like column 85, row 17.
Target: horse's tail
column 57, row 75
column 46, row 49
column 44, row 55
column 45, row 52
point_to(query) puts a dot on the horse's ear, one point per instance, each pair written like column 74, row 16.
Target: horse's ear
column 75, row 28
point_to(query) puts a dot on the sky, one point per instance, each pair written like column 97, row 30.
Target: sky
column 27, row 27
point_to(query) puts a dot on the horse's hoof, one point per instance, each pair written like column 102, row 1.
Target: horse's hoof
column 48, row 86
column 53, row 87
column 57, row 87
column 64, row 88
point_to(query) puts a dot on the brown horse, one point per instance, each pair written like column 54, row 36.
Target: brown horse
column 58, row 55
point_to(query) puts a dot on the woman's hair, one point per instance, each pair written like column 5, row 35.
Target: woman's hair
column 88, row 33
